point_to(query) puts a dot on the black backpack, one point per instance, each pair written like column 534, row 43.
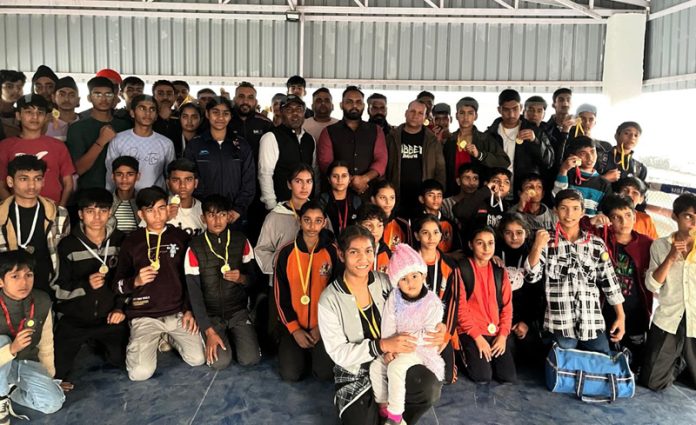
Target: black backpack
column 469, row 280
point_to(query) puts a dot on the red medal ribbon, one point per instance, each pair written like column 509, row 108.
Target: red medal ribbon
column 579, row 179
column 10, row 326
column 342, row 221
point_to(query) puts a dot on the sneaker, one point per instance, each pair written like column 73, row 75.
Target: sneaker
column 393, row 422
column 6, row 411
column 164, row 345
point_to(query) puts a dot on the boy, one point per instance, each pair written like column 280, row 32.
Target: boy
column 58, row 178
column 468, row 179
column 576, row 264
column 582, row 156
column 303, row 269
column 218, row 265
column 671, row 345
column 11, row 89
column 431, row 200
column 66, row 98
column 149, row 272
column 26, row 341
column 634, row 188
column 123, row 209
column 151, row 149
column 90, row 310
column 618, row 162
column 184, row 210
column 32, row 222
column 534, row 110
column 531, row 203
column 487, row 205
column 373, row 218
column 130, row 87
column 630, row 256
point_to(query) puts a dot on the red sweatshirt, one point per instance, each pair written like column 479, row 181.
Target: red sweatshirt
column 479, row 311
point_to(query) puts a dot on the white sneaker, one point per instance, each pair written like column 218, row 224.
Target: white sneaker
column 6, row 412
column 163, row 347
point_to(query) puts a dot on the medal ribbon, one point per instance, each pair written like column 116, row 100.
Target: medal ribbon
column 10, row 326
column 561, row 232
column 342, row 221
column 157, row 251
column 96, row 255
column 578, row 127
column 19, row 227
column 625, row 159
column 579, row 179
column 371, row 324
column 227, row 245
column 304, row 277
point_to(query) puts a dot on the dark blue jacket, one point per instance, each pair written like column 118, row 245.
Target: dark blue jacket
column 226, row 169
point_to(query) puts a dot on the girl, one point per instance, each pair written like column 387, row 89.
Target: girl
column 527, row 300
column 397, row 229
column 340, row 203
column 414, row 310
column 350, row 312
column 444, row 280
column 485, row 314
column 190, row 119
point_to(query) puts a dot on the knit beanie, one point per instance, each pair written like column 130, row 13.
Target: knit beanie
column 44, row 71
column 404, row 260
column 66, row 82
column 586, row 107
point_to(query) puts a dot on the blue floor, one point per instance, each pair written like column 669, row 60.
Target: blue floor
column 179, row 394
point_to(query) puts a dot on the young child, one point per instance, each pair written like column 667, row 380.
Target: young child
column 31, row 222
column 531, row 204
column 32, row 113
column 184, row 210
column 468, row 179
column 671, row 345
column 397, row 229
column 413, row 309
column 576, row 265
column 26, row 341
column 219, row 271
column 444, row 280
column 123, row 210
column 340, row 202
column 303, row 269
column 630, row 256
column 618, row 162
column 431, row 199
column 149, row 271
column 485, row 314
column 89, row 309
column 512, row 250
column 372, row 217
column 635, row 189
column 582, row 156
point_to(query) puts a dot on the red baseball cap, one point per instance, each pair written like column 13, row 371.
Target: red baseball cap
column 111, row 75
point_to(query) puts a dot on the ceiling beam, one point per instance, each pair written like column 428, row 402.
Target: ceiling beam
column 582, row 9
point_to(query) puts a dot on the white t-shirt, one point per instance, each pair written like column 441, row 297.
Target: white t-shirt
column 509, row 136
column 189, row 219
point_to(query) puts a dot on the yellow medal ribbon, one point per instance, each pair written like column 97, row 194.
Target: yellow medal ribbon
column 578, row 127
column 304, row 277
column 371, row 324
column 154, row 263
column 624, row 160
column 226, row 265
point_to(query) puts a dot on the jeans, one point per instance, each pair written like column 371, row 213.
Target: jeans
column 35, row 388
column 599, row 344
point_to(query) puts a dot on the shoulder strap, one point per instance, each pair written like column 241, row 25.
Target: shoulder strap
column 498, row 273
column 467, row 276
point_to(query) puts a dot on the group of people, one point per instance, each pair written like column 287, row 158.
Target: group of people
column 385, row 259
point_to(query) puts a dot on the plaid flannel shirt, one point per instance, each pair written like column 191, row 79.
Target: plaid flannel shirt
column 574, row 273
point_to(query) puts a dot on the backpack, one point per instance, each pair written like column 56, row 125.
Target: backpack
column 469, row 280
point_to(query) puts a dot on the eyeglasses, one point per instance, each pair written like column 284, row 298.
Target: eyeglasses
column 103, row 95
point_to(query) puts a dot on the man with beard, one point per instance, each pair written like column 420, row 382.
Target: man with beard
column 377, row 111
column 167, row 123
column 361, row 144
column 558, row 126
column 66, row 98
column 415, row 155
column 282, row 150
column 246, row 122
column 322, row 102
column 298, row 86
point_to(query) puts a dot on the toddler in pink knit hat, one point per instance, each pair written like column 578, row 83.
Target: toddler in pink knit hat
column 413, row 309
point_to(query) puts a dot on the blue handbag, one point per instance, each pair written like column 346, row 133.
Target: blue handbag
column 592, row 377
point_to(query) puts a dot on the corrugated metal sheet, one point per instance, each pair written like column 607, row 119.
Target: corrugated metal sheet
column 671, row 48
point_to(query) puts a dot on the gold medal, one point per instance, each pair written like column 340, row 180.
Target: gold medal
column 176, row 200
column 531, row 193
column 605, row 256
column 155, row 265
column 305, row 300
column 519, row 141
column 225, row 268
column 426, row 122
column 56, row 114
column 461, row 144
column 30, row 323
column 104, row 269
column 491, row 328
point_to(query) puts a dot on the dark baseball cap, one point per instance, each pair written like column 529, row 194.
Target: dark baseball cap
column 291, row 98
column 442, row 108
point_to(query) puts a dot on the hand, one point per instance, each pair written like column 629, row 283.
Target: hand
column 66, row 386
column 21, row 341
column 493, row 187
column 172, row 211
column 360, row 183
column 437, row 338
column 96, row 280
column 498, row 261
column 212, row 342
column 600, row 220
column 106, row 134
column 571, row 162
column 678, row 251
column 472, row 150
column 498, row 348
column 399, row 343
column 618, row 329
column 145, row 276
column 189, row 323
column 232, row 276
column 612, row 175
column 303, row 338
column 527, row 134
column 388, row 357
column 115, row 317
column 568, row 123
column 314, row 333
column 483, row 347
column 232, row 216
column 520, row 329
column 541, row 239
column 224, row 93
